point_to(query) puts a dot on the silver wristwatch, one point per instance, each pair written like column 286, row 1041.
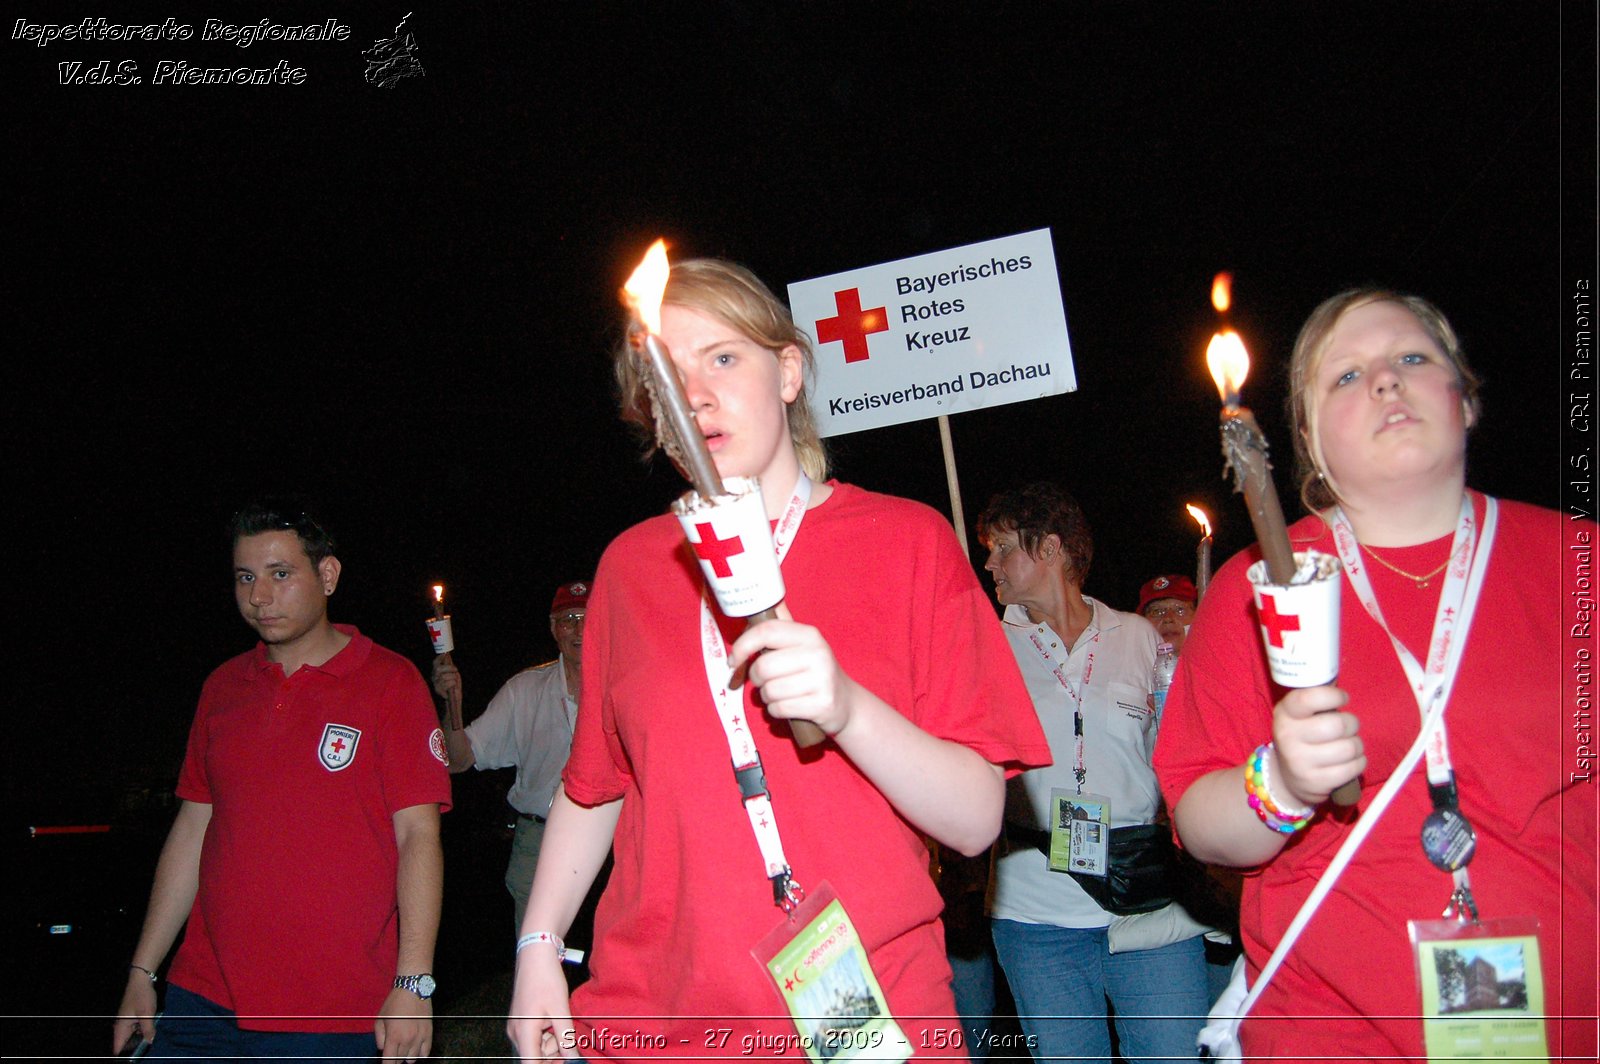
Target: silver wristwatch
column 420, row 985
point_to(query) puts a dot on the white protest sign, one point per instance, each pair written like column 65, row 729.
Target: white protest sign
column 962, row 329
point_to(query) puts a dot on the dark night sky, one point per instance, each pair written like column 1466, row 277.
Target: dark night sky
column 401, row 300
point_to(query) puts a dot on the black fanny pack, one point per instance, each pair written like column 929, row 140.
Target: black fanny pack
column 1142, row 875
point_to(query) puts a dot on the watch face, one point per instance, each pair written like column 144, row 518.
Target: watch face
column 420, row 985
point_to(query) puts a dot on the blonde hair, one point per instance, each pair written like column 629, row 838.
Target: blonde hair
column 736, row 297
column 1312, row 343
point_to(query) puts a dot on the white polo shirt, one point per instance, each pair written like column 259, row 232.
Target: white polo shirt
column 1119, row 650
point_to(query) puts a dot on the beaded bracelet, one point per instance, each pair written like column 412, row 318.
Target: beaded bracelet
column 1258, row 792
column 141, row 968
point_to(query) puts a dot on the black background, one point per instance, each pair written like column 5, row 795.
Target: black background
column 400, row 300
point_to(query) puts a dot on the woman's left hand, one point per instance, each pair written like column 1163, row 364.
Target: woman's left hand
column 795, row 672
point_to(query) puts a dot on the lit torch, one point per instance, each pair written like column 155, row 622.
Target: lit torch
column 444, row 642
column 1202, row 553
column 1244, row 446
column 1245, row 450
column 676, row 430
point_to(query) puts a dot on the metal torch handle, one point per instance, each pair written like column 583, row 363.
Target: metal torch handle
column 805, row 733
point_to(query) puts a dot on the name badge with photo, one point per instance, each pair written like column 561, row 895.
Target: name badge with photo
column 1482, row 988
column 1080, row 833
column 820, row 967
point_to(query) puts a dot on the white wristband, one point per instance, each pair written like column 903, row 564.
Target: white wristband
column 563, row 954
column 542, row 936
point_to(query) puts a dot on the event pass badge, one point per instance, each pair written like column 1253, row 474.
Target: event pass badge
column 1080, row 833
column 1482, row 988
column 820, row 967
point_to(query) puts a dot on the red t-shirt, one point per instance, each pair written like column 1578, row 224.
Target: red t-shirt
column 295, row 926
column 1349, row 987
column 688, row 899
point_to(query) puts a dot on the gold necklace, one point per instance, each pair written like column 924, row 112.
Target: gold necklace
column 1421, row 581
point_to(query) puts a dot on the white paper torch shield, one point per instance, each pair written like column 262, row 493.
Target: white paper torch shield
column 439, row 631
column 732, row 540
column 1300, row 623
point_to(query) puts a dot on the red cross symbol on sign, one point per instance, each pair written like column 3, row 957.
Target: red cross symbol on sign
column 337, row 746
column 1276, row 623
column 716, row 551
column 852, row 325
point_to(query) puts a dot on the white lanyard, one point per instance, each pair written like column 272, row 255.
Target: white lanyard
column 1452, row 622
column 730, row 710
column 1458, row 601
column 1075, row 692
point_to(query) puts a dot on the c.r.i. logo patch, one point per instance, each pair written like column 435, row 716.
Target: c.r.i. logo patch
column 338, row 746
column 436, row 744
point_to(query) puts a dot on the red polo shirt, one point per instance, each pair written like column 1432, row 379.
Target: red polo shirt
column 295, row 926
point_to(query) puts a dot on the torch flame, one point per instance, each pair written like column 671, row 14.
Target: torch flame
column 1229, row 363
column 438, row 593
column 1222, row 292
column 1200, row 517
column 644, row 289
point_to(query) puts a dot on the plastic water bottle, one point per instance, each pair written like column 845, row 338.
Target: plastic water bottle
column 1161, row 677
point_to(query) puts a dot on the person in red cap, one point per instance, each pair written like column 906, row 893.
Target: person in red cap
column 528, row 726
column 1169, row 602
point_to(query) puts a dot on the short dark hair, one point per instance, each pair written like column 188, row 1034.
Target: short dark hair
column 1035, row 511
column 284, row 513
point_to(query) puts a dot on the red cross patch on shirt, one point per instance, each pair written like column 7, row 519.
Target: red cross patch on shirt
column 338, row 748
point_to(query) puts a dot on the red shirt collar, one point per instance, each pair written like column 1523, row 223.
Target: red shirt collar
column 346, row 661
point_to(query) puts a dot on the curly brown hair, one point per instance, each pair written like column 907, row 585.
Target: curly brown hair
column 1035, row 511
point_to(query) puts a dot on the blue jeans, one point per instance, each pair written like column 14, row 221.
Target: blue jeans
column 197, row 1028
column 973, row 983
column 1061, row 978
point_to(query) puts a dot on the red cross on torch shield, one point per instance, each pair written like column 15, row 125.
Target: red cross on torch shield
column 732, row 541
column 1299, row 623
column 1273, row 623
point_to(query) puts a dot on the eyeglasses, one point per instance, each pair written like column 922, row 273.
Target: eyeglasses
column 568, row 620
column 1156, row 613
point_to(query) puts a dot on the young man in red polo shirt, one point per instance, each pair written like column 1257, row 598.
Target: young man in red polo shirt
column 311, row 794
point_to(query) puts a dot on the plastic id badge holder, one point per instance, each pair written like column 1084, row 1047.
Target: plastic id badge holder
column 1080, row 833
column 1482, row 988
column 819, row 964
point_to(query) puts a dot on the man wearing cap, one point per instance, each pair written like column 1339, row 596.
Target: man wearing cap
column 1168, row 602
column 528, row 725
